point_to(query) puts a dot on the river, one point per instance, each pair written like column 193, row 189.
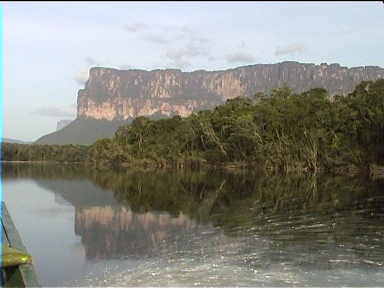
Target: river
column 202, row 228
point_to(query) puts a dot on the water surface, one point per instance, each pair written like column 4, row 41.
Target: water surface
column 168, row 228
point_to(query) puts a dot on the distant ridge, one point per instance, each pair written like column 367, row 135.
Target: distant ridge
column 8, row 140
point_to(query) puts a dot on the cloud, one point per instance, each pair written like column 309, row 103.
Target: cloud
column 190, row 50
column 240, row 57
column 181, row 43
column 290, row 49
column 185, row 32
column 62, row 112
column 90, row 61
column 181, row 57
column 178, row 64
column 347, row 29
column 156, row 38
column 192, row 45
column 171, row 34
column 135, row 27
column 81, row 77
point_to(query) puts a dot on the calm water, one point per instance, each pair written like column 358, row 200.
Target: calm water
column 136, row 228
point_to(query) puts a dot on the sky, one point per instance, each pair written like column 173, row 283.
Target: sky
column 48, row 47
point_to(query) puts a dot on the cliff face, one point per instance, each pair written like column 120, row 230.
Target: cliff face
column 113, row 94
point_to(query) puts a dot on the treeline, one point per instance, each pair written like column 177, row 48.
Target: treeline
column 281, row 131
column 43, row 153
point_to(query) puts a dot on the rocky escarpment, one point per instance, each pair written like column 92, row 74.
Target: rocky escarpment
column 113, row 94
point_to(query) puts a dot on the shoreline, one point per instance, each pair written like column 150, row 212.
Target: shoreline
column 373, row 171
column 38, row 162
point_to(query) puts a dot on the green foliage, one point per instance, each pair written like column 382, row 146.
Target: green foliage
column 281, row 131
column 34, row 152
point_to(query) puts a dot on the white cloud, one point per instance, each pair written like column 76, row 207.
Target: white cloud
column 81, row 77
column 240, row 57
column 193, row 45
column 91, row 61
column 59, row 112
column 135, row 27
column 290, row 49
column 156, row 38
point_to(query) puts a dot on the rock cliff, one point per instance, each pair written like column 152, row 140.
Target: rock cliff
column 113, row 94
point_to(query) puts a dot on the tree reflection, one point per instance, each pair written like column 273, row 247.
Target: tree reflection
column 134, row 213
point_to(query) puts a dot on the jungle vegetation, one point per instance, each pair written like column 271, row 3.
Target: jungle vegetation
column 280, row 131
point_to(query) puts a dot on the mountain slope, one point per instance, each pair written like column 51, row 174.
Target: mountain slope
column 82, row 131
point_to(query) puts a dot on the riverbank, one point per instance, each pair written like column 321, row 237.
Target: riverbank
column 371, row 171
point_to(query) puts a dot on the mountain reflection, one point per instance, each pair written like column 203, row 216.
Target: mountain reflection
column 142, row 213
column 113, row 232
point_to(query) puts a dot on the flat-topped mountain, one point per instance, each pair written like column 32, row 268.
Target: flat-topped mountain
column 112, row 97
column 113, row 94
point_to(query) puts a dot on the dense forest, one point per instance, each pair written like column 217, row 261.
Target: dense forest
column 279, row 131
column 34, row 152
